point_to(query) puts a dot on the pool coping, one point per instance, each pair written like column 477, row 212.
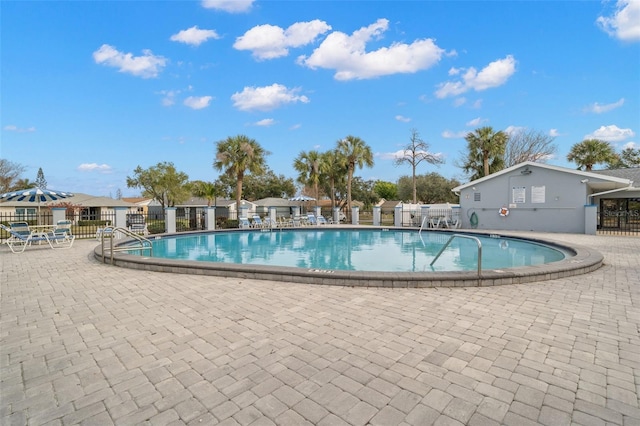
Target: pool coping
column 584, row 260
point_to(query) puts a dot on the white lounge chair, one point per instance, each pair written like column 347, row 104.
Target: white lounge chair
column 257, row 222
column 62, row 234
column 243, row 223
column 22, row 236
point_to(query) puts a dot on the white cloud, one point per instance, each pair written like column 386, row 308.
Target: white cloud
column 611, row 133
column 448, row 134
column 596, row 108
column 493, row 75
column 295, row 126
column 624, row 24
column 266, row 98
column 348, row 56
column 554, row 133
column 514, row 129
column 630, row 145
column 459, row 101
column 270, row 41
column 94, row 167
column 403, row 119
column 146, row 66
column 476, row 122
column 231, row 6
column 194, row 36
column 266, row 122
column 14, row 128
column 198, row 102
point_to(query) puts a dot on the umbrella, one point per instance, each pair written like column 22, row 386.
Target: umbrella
column 302, row 198
column 35, row 195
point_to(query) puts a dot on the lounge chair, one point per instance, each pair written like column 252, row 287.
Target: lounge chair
column 257, row 222
column 137, row 224
column 311, row 219
column 269, row 223
column 243, row 223
column 62, row 234
column 321, row 220
column 22, row 236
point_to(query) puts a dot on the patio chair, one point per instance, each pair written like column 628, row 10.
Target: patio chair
column 321, row 220
column 243, row 223
column 257, row 222
column 137, row 224
column 311, row 219
column 21, row 236
column 61, row 234
column 269, row 223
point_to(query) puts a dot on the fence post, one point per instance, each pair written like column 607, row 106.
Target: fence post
column 397, row 216
column 424, row 213
column 170, row 220
column 590, row 219
column 355, row 215
column 210, row 218
column 336, row 215
column 376, row 215
column 121, row 217
column 58, row 213
column 243, row 211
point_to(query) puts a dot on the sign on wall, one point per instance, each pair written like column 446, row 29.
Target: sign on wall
column 519, row 194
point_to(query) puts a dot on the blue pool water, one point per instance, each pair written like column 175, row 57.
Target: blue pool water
column 354, row 250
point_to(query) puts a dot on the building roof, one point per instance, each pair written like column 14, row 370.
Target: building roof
column 633, row 174
column 604, row 182
column 275, row 202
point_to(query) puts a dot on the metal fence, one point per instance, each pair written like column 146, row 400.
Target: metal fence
column 83, row 227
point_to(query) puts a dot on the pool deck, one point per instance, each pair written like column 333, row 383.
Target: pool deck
column 92, row 344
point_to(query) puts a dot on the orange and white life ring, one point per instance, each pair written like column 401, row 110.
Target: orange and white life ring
column 504, row 212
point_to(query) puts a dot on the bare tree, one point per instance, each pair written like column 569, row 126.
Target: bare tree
column 9, row 175
column 415, row 153
column 529, row 145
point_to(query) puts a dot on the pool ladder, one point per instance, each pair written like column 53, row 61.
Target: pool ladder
column 476, row 239
column 110, row 232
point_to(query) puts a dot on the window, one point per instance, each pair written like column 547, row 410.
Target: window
column 26, row 213
column 476, row 196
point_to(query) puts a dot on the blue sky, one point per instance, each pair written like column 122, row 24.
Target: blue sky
column 91, row 90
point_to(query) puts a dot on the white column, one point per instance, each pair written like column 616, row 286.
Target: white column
column 377, row 215
column 170, row 220
column 397, row 216
column 355, row 215
column 590, row 219
column 210, row 218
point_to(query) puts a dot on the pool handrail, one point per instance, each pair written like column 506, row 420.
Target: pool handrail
column 110, row 232
column 476, row 239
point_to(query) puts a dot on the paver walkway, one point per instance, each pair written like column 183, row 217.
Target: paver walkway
column 86, row 343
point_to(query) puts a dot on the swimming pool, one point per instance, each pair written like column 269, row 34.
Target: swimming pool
column 355, row 250
column 361, row 256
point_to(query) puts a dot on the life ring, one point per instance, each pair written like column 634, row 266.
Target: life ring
column 504, row 212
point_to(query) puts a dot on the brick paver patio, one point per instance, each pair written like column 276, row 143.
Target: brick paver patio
column 86, row 343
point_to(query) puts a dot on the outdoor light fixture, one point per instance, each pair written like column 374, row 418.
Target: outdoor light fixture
column 526, row 171
column 584, row 181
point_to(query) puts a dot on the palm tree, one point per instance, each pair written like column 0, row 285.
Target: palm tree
column 206, row 190
column 307, row 164
column 590, row 152
column 486, row 152
column 356, row 153
column 415, row 153
column 23, row 183
column 332, row 171
column 237, row 155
